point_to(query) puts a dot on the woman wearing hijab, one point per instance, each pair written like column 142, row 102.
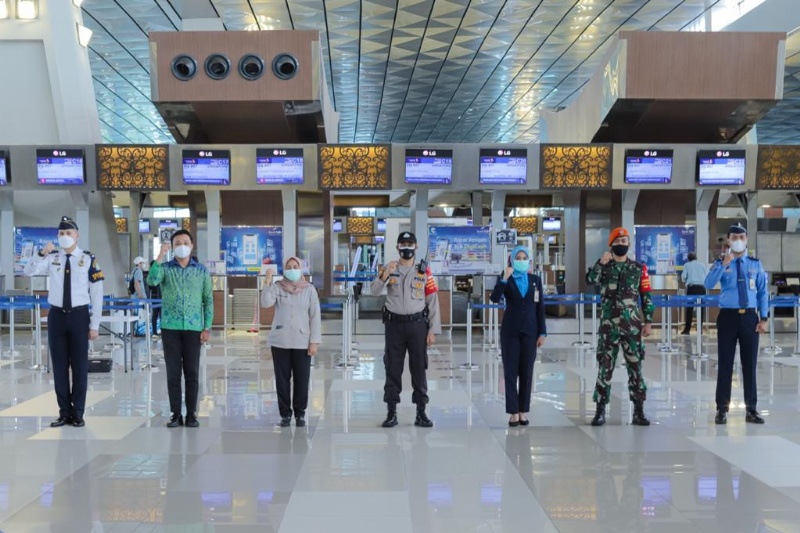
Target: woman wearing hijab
column 294, row 339
column 522, row 331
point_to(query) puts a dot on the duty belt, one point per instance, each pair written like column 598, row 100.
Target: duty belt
column 63, row 310
column 392, row 317
column 740, row 311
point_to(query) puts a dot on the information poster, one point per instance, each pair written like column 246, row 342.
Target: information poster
column 246, row 249
column 457, row 250
column 664, row 249
column 29, row 241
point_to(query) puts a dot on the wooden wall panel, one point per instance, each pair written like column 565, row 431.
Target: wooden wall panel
column 664, row 208
column 251, row 208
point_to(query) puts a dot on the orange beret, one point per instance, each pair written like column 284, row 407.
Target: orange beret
column 617, row 232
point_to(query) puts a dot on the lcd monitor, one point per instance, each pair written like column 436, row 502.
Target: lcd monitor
column 720, row 167
column 144, row 226
column 337, row 225
column 648, row 166
column 499, row 166
column 55, row 166
column 551, row 224
column 279, row 166
column 429, row 166
column 206, row 167
column 5, row 177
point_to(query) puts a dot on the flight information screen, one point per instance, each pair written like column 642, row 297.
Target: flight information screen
column 60, row 167
column 720, row 167
column 429, row 166
column 504, row 166
column 279, row 166
column 648, row 166
column 206, row 167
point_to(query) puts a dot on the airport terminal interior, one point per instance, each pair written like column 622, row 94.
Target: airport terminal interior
column 331, row 135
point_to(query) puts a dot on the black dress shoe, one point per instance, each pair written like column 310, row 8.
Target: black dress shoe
column 191, row 421
column 78, row 422
column 753, row 417
column 524, row 421
column 175, row 421
column 422, row 420
column 300, row 421
column 391, row 420
column 513, row 423
column 61, row 421
column 721, row 418
column 285, row 422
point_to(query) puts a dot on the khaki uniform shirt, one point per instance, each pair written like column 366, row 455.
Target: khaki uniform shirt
column 408, row 292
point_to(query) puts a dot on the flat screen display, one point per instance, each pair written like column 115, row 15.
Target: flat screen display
column 206, row 167
column 720, row 167
column 381, row 227
column 5, row 179
column 551, row 224
column 144, row 226
column 504, row 166
column 337, row 225
column 279, row 166
column 167, row 224
column 429, row 166
column 60, row 167
column 648, row 166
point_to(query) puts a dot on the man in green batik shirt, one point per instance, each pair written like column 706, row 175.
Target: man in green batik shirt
column 623, row 283
column 187, row 312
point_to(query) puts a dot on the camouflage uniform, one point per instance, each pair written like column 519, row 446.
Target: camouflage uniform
column 622, row 284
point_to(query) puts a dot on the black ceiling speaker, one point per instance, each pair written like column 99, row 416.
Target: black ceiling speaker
column 184, row 67
column 284, row 66
column 251, row 67
column 217, row 66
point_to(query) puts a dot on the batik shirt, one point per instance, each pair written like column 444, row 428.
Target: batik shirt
column 187, row 302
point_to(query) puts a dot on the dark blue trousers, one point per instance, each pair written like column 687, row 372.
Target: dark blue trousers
column 519, row 353
column 733, row 327
column 68, row 336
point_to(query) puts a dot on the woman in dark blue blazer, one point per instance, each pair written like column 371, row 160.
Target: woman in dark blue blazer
column 522, row 331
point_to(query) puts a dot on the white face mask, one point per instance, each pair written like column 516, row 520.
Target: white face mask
column 66, row 241
column 183, row 251
column 738, row 246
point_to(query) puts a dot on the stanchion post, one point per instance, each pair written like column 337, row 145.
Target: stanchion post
column 772, row 348
column 580, row 311
column 469, row 365
column 699, row 340
column 797, row 327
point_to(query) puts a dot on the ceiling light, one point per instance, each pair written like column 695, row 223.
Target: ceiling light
column 765, row 206
column 3, row 9
column 84, row 35
column 77, row 3
column 27, row 9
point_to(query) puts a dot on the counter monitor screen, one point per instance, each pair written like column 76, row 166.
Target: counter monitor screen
column 206, row 167
column 720, row 167
column 337, row 225
column 60, row 167
column 551, row 224
column 5, row 179
column 167, row 224
column 504, row 166
column 429, row 166
column 381, row 225
column 279, row 166
column 144, row 226
column 648, row 166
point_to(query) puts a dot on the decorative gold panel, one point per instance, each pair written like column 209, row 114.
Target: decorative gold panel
column 131, row 167
column 355, row 166
column 187, row 224
column 360, row 225
column 122, row 225
column 778, row 167
column 363, row 239
column 525, row 225
column 575, row 166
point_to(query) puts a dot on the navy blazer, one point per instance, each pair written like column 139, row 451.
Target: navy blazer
column 522, row 315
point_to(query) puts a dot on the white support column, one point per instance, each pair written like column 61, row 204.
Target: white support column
column 81, row 201
column 629, row 199
column 213, row 224
column 289, row 197
column 752, row 220
column 7, row 236
column 419, row 220
column 575, row 241
column 498, row 213
column 704, row 199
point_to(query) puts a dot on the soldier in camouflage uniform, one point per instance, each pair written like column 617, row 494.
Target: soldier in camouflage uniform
column 623, row 282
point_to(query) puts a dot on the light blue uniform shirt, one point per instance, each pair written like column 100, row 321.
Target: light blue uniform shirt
column 755, row 282
column 694, row 273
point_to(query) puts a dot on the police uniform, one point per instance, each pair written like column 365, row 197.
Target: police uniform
column 76, row 283
column 743, row 301
column 411, row 312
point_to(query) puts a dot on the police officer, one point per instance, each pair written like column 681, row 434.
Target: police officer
column 76, row 281
column 743, row 314
column 623, row 283
column 411, row 318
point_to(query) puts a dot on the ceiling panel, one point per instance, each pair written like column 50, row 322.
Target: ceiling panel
column 414, row 70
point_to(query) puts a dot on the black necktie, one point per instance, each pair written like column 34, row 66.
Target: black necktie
column 67, row 303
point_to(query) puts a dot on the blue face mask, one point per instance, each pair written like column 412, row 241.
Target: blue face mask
column 292, row 274
column 521, row 265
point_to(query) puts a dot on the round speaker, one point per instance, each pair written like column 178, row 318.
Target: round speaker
column 184, row 67
column 217, row 66
column 251, row 67
column 284, row 66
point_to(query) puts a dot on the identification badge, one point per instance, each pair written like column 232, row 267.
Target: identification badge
column 536, row 296
column 752, row 284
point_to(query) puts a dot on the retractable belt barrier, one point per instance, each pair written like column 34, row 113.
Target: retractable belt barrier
column 677, row 301
column 580, row 301
column 786, row 302
column 329, row 307
column 12, row 304
column 349, row 317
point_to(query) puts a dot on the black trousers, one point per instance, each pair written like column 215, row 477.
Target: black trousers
column 692, row 290
column 733, row 327
column 402, row 337
column 518, row 353
column 68, row 337
column 182, row 354
column 155, row 313
column 291, row 365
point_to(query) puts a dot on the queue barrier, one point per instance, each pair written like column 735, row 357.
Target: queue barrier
column 783, row 302
column 349, row 318
column 344, row 361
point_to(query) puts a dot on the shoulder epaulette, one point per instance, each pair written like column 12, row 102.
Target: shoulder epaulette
column 87, row 252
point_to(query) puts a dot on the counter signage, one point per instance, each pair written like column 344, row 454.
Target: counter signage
column 60, row 167
column 429, row 166
column 206, row 167
column 246, row 249
column 5, row 179
column 648, row 166
column 501, row 166
column 459, row 249
column 664, row 249
column 279, row 166
column 720, row 167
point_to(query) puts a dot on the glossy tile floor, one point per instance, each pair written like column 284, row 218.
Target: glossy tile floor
column 126, row 472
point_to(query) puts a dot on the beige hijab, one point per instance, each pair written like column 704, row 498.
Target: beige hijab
column 293, row 287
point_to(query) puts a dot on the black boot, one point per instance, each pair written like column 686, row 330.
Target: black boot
column 599, row 415
column 638, row 414
column 422, row 419
column 391, row 417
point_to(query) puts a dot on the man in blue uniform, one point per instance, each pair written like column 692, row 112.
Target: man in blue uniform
column 743, row 315
column 75, row 282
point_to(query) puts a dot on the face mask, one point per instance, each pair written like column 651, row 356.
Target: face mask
column 407, row 253
column 738, row 246
column 521, row 265
column 183, row 251
column 292, row 274
column 620, row 250
column 65, row 241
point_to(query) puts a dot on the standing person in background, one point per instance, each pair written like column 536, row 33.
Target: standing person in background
column 743, row 315
column 76, row 281
column 295, row 337
column 154, row 294
column 187, row 315
column 522, row 332
column 694, row 276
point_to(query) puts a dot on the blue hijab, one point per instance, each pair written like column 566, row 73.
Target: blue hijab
column 520, row 278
